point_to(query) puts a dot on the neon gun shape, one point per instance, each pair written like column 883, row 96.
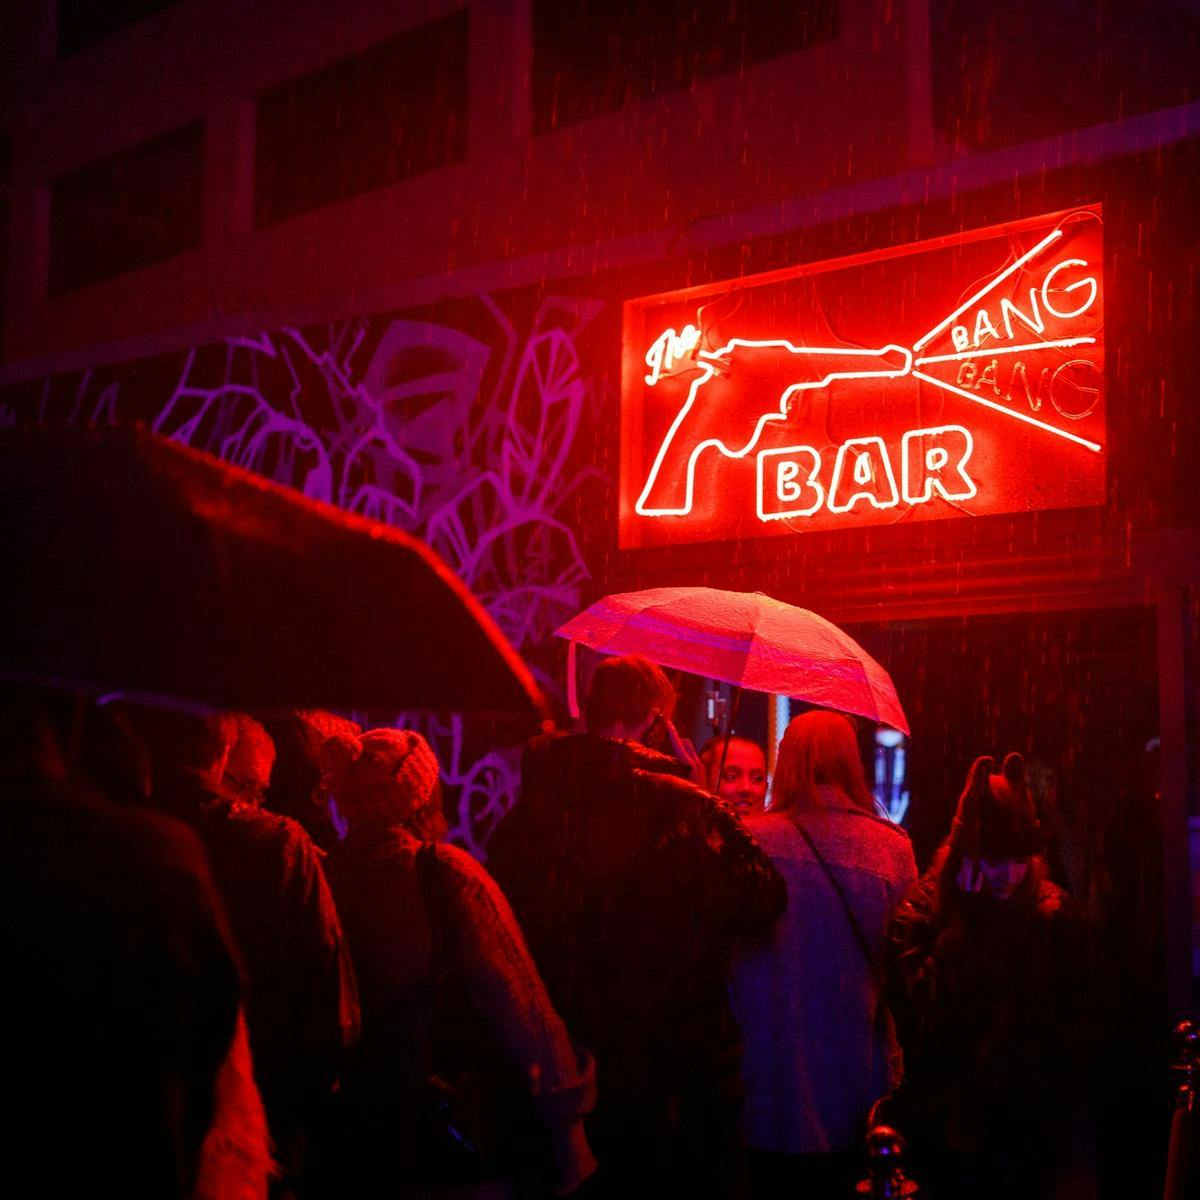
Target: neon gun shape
column 670, row 485
column 730, row 415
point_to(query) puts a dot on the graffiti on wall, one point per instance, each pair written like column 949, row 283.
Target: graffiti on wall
column 462, row 430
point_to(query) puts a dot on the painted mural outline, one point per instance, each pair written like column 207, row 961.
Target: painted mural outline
column 463, row 438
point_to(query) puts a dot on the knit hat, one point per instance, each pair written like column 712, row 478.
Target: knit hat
column 996, row 818
column 251, row 757
column 384, row 774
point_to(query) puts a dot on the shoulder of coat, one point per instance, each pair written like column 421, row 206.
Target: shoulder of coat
column 897, row 833
column 458, row 862
column 285, row 830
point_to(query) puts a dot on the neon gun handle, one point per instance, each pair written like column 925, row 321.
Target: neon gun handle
column 669, row 485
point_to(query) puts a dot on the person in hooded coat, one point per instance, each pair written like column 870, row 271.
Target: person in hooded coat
column 631, row 884
column 989, row 963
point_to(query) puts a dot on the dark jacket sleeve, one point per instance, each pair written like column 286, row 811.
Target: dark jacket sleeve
column 509, row 992
column 330, row 1017
column 910, row 968
column 1072, row 997
column 759, row 889
column 744, row 891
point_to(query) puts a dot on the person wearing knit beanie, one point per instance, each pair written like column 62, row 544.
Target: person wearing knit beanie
column 421, row 916
column 384, row 777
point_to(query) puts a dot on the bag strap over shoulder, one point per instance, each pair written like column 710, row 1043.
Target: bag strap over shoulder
column 432, row 900
column 859, row 936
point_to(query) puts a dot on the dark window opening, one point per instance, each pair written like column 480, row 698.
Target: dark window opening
column 5, row 173
column 4, row 235
column 395, row 111
column 597, row 56
column 83, row 23
column 1024, row 70
column 138, row 207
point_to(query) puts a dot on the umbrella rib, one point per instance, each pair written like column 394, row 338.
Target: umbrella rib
column 749, row 640
column 756, row 613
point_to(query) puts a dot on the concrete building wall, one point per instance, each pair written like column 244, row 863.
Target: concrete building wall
column 593, row 195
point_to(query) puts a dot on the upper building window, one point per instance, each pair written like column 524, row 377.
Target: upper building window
column 1024, row 70
column 127, row 211
column 394, row 111
column 597, row 56
column 83, row 23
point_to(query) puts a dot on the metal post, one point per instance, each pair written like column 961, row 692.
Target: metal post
column 730, row 718
column 886, row 1178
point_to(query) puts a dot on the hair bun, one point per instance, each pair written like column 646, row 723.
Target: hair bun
column 977, row 775
column 1014, row 769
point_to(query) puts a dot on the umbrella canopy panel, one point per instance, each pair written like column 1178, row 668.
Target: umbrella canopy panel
column 743, row 638
column 138, row 565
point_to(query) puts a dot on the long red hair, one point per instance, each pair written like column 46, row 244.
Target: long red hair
column 819, row 749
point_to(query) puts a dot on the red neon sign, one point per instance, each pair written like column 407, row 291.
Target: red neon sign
column 952, row 378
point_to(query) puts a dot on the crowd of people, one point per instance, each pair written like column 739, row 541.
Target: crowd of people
column 246, row 963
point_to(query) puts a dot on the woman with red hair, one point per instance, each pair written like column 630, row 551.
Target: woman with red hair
column 820, row 1046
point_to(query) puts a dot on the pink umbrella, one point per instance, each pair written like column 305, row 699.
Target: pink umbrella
column 746, row 639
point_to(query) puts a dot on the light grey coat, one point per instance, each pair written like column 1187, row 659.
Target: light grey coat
column 820, row 1048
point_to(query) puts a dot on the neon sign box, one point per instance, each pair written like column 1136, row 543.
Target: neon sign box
column 951, row 378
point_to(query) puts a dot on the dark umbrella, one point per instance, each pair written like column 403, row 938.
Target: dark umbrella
column 137, row 565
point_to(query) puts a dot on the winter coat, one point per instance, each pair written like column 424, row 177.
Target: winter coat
column 631, row 885
column 991, row 1001
column 301, row 999
column 820, row 1045
column 235, row 1162
column 121, row 1003
column 375, row 878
